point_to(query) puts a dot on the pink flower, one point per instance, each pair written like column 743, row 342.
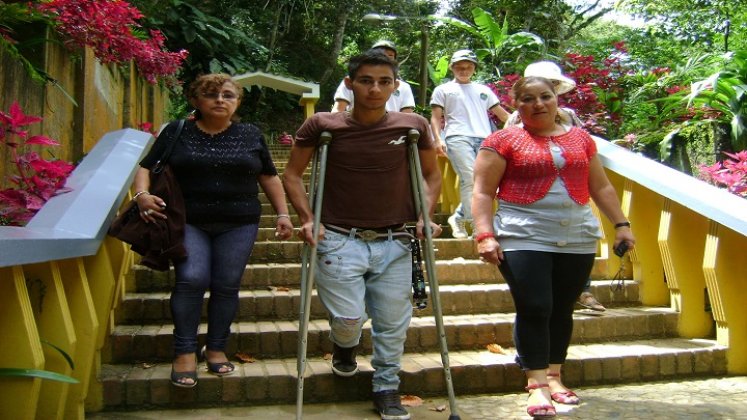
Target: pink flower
column 106, row 26
column 36, row 179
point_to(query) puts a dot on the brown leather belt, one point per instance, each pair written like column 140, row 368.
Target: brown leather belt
column 370, row 234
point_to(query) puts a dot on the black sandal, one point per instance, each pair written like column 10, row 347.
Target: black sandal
column 217, row 368
column 177, row 377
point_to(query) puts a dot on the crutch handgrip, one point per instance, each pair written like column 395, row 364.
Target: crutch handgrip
column 413, row 136
column 325, row 137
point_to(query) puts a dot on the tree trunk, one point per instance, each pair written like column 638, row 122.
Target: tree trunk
column 342, row 20
column 721, row 140
column 274, row 36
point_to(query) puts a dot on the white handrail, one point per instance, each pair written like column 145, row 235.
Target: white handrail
column 75, row 223
column 714, row 203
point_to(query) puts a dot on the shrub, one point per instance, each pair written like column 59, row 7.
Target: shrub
column 36, row 179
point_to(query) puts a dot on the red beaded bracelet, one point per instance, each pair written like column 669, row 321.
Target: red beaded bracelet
column 483, row 236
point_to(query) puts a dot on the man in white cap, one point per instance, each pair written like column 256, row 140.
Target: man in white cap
column 464, row 105
column 401, row 100
column 563, row 84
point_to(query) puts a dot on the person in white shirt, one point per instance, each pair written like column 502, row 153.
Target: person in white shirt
column 464, row 105
column 401, row 100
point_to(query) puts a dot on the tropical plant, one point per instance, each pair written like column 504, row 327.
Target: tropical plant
column 216, row 40
column 37, row 179
column 706, row 23
column 40, row 373
column 726, row 92
column 13, row 16
column 730, row 174
column 498, row 46
column 597, row 98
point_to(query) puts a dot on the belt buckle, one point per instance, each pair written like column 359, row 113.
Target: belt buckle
column 368, row 235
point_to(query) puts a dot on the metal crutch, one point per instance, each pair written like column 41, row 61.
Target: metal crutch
column 308, row 261
column 421, row 205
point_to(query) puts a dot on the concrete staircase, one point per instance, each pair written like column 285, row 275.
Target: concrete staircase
column 627, row 343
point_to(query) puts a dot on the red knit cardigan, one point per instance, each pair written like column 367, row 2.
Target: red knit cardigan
column 530, row 170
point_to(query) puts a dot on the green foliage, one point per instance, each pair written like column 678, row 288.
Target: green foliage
column 707, row 23
column 726, row 92
column 440, row 72
column 36, row 373
column 42, row 374
column 214, row 42
column 495, row 46
column 12, row 18
column 552, row 20
column 22, row 33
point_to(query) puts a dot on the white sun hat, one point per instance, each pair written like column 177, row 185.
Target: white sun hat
column 551, row 71
column 463, row 55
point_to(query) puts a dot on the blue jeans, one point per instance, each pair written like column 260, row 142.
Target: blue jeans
column 462, row 152
column 357, row 280
column 217, row 260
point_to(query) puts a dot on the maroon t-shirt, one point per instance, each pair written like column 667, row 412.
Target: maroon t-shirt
column 368, row 179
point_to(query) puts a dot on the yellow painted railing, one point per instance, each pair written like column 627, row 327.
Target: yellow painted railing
column 61, row 278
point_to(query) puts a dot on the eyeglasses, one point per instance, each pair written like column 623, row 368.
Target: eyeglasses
column 227, row 96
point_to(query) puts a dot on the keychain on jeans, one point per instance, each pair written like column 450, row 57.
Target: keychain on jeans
column 618, row 281
column 419, row 295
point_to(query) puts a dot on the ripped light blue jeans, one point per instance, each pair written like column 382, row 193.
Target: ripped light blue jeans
column 462, row 152
column 357, row 280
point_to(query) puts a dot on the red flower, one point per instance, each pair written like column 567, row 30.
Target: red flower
column 106, row 26
column 36, row 179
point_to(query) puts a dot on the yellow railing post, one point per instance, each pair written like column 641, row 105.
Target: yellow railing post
column 55, row 326
column 19, row 347
column 724, row 267
column 103, row 285
column 83, row 313
column 682, row 242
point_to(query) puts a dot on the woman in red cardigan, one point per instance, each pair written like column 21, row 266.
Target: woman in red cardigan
column 543, row 237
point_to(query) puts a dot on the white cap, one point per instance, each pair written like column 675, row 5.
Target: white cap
column 382, row 43
column 552, row 72
column 463, row 55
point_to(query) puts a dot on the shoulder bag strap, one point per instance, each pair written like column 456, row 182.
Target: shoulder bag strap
column 161, row 163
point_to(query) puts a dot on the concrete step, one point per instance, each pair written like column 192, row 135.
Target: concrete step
column 132, row 386
column 263, row 276
column 277, row 339
column 282, row 304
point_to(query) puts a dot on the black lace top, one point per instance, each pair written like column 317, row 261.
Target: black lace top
column 217, row 173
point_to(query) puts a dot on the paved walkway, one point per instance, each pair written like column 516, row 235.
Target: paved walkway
column 722, row 398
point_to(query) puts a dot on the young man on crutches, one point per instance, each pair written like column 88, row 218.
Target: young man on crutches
column 363, row 261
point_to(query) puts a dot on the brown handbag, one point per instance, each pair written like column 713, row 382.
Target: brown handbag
column 160, row 241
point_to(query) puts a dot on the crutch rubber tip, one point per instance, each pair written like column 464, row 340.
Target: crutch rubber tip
column 454, row 417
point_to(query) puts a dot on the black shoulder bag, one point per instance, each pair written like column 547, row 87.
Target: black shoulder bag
column 160, row 241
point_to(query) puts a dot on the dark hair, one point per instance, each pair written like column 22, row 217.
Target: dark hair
column 372, row 57
column 213, row 82
column 520, row 84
